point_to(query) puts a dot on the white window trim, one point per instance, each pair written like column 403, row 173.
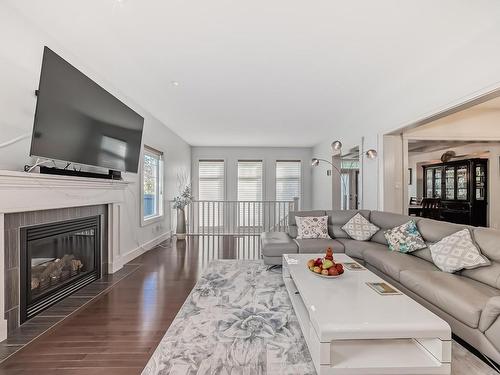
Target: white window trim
column 161, row 198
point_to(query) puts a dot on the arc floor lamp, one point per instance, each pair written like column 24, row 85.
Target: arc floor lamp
column 336, row 148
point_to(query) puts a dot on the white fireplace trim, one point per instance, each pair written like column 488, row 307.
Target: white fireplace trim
column 22, row 192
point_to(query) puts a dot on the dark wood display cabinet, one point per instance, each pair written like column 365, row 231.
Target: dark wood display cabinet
column 462, row 187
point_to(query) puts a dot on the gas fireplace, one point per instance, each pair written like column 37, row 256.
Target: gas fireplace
column 56, row 260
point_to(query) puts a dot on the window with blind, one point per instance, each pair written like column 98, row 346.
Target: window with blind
column 211, row 180
column 211, row 187
column 288, row 180
column 152, row 180
column 250, row 180
column 250, row 191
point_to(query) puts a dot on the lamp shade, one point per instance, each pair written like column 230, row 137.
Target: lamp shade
column 315, row 162
column 371, row 153
column 336, row 146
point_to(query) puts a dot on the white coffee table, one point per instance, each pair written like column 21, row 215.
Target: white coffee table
column 351, row 329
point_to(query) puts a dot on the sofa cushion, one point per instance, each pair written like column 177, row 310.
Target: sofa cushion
column 392, row 263
column 355, row 249
column 292, row 223
column 488, row 241
column 405, row 238
column 459, row 296
column 386, row 220
column 457, row 251
column 312, row 227
column 337, row 218
column 319, row 245
column 488, row 275
column 493, row 333
column 276, row 244
column 434, row 230
column 359, row 228
column 424, row 254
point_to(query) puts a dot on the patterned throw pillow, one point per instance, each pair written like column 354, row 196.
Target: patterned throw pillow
column 359, row 228
column 405, row 238
column 312, row 227
column 457, row 252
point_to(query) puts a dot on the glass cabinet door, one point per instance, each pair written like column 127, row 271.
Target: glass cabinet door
column 449, row 182
column 480, row 176
column 462, row 182
column 437, row 183
column 428, row 183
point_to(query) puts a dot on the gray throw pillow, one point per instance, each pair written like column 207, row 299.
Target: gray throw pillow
column 456, row 252
column 360, row 229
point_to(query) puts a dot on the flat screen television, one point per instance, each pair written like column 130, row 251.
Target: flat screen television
column 77, row 121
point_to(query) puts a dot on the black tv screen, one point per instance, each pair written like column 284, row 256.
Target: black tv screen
column 77, row 121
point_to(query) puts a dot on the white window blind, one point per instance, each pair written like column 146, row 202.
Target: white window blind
column 288, row 180
column 250, row 180
column 250, row 189
column 211, row 188
column 211, row 180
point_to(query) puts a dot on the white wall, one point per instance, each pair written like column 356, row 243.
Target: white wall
column 437, row 82
column 20, row 62
column 268, row 155
column 416, row 161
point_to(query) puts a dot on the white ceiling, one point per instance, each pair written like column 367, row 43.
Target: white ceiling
column 267, row 73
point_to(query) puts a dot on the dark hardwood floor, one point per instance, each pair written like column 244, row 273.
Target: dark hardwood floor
column 117, row 332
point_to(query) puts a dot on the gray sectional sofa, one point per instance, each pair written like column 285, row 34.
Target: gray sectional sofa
column 468, row 300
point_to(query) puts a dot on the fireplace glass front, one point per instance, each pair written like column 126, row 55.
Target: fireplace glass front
column 56, row 260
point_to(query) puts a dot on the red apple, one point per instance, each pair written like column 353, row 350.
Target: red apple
column 332, row 271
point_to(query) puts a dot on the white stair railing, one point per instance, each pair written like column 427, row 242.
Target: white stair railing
column 238, row 218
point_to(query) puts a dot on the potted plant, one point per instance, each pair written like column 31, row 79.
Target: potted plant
column 184, row 198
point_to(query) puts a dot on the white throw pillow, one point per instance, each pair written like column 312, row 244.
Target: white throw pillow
column 312, row 227
column 360, row 229
column 456, row 252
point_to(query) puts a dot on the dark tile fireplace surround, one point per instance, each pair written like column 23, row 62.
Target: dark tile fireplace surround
column 48, row 255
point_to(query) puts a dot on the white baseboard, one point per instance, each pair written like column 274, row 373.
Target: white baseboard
column 138, row 251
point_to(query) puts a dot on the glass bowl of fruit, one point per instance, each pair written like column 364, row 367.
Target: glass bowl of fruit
column 326, row 267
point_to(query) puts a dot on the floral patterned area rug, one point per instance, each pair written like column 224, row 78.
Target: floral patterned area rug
column 237, row 320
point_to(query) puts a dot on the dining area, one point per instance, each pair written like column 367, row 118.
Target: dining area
column 425, row 207
column 453, row 191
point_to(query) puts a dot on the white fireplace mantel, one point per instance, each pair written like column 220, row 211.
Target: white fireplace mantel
column 22, row 192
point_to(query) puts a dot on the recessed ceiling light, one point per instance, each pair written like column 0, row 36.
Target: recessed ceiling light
column 174, row 83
